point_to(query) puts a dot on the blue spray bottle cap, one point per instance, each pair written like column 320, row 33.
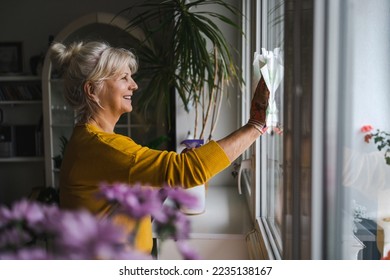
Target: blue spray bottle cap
column 192, row 143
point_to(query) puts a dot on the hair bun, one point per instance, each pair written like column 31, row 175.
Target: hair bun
column 61, row 55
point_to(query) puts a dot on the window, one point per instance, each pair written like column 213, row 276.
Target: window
column 321, row 191
column 360, row 177
column 271, row 161
column 264, row 28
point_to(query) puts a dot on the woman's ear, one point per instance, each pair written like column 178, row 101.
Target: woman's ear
column 89, row 89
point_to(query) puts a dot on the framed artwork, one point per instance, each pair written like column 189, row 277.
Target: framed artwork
column 11, row 60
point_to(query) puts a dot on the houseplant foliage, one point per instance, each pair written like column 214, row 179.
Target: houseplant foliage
column 33, row 230
column 380, row 138
column 185, row 52
column 58, row 158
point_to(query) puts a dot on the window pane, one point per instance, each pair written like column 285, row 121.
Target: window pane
column 273, row 187
column 364, row 178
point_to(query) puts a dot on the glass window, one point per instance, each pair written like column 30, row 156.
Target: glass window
column 363, row 176
column 271, row 162
column 323, row 168
column 264, row 31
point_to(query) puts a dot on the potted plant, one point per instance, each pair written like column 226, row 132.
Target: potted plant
column 185, row 52
column 58, row 158
column 380, row 138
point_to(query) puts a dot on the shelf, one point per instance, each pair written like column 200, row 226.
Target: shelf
column 21, row 102
column 61, row 125
column 19, row 78
column 56, row 80
column 121, row 126
column 21, row 159
column 20, row 89
column 22, row 162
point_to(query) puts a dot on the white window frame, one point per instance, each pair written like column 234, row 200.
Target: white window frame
column 256, row 195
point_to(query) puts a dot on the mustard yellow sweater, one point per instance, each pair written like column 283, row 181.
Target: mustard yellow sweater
column 93, row 157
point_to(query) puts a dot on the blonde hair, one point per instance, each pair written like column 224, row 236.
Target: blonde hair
column 92, row 62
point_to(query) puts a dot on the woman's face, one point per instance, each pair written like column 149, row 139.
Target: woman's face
column 117, row 93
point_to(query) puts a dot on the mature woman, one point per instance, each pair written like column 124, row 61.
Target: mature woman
column 99, row 85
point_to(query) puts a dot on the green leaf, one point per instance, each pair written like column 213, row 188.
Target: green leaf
column 183, row 49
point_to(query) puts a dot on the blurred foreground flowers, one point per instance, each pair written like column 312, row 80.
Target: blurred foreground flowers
column 33, row 230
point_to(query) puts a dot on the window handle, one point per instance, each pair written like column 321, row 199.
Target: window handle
column 245, row 164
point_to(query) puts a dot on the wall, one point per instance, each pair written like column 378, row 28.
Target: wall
column 33, row 21
column 369, row 32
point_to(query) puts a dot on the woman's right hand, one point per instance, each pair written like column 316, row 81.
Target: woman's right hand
column 259, row 106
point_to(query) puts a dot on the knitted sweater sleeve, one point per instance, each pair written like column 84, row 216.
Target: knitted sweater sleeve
column 186, row 170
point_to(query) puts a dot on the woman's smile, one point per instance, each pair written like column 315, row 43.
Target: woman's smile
column 127, row 97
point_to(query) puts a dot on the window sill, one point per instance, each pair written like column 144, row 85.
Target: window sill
column 226, row 215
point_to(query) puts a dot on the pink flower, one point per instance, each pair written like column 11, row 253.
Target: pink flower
column 367, row 138
column 278, row 130
column 386, row 257
column 366, row 128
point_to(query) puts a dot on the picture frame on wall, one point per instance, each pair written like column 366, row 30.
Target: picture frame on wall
column 11, row 57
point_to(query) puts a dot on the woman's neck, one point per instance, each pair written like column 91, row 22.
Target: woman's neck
column 102, row 124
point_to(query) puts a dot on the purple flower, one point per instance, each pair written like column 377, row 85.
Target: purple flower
column 83, row 236
column 32, row 230
column 26, row 254
column 179, row 196
column 135, row 201
column 23, row 210
column 23, row 224
column 173, row 224
column 186, row 251
column 14, row 237
column 26, row 227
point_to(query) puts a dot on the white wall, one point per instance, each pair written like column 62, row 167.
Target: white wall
column 369, row 37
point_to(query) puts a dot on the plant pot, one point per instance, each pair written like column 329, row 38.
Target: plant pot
column 200, row 193
column 57, row 162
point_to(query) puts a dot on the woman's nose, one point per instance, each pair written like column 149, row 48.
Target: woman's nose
column 133, row 85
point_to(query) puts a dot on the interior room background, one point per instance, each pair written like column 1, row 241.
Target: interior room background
column 33, row 23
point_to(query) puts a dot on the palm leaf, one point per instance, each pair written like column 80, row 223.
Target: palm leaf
column 188, row 51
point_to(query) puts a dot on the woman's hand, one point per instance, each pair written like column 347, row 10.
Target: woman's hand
column 259, row 106
column 240, row 140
